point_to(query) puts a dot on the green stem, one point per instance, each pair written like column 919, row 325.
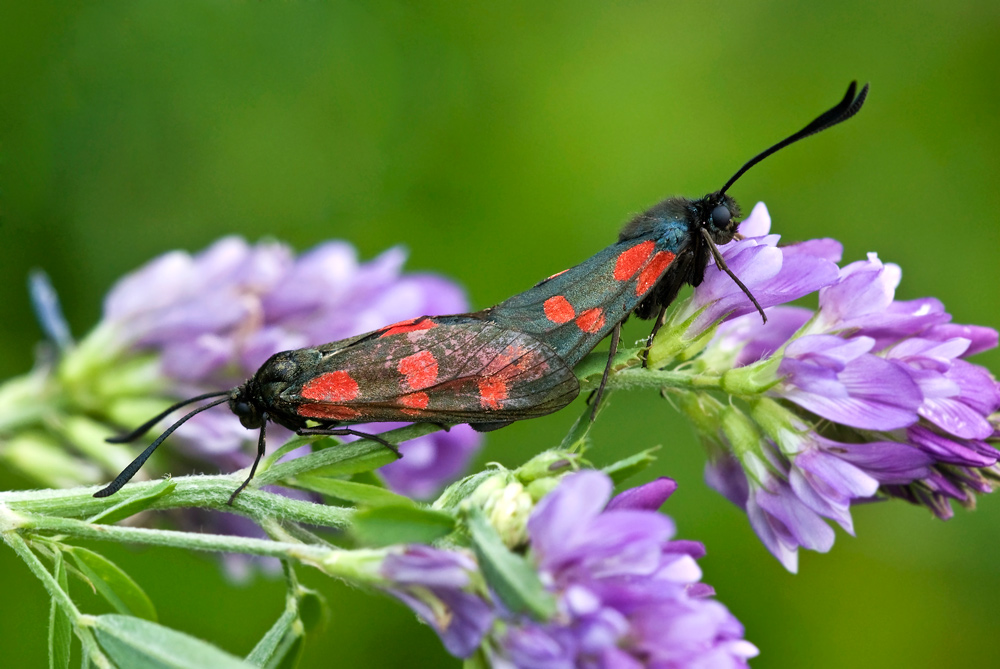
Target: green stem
column 89, row 643
column 192, row 491
column 637, row 377
column 172, row 538
column 360, row 567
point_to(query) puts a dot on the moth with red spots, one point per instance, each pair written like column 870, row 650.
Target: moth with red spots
column 657, row 252
column 506, row 363
column 444, row 369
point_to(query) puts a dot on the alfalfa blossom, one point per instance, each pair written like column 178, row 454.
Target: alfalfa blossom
column 186, row 324
column 626, row 593
column 865, row 397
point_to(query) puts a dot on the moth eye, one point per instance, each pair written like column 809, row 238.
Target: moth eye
column 241, row 408
column 721, row 216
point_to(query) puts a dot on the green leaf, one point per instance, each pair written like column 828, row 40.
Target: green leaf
column 113, row 584
column 134, row 504
column 628, row 467
column 400, row 524
column 511, row 576
column 60, row 627
column 272, row 647
column 350, row 491
column 578, row 435
column 140, row 644
column 291, row 653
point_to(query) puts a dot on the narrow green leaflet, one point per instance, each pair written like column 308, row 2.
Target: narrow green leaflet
column 140, row 644
column 60, row 627
column 341, row 460
column 628, row 467
column 134, row 504
column 290, row 652
column 113, row 584
column 509, row 575
column 277, row 641
column 400, row 524
column 350, row 491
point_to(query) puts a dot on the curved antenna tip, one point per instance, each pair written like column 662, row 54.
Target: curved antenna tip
column 850, row 105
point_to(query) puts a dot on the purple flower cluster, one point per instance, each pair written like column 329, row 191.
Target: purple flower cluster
column 866, row 396
column 627, row 594
column 213, row 318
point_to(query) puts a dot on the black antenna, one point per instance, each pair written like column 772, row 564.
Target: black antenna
column 145, row 427
column 844, row 110
column 130, row 471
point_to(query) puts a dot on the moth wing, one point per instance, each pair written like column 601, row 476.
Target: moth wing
column 574, row 310
column 452, row 369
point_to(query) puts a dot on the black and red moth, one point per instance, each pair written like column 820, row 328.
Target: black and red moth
column 506, row 363
column 443, row 369
column 657, row 252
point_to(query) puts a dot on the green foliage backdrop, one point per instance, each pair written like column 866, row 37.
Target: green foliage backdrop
column 501, row 143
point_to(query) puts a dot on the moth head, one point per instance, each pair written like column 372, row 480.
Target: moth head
column 717, row 214
column 241, row 403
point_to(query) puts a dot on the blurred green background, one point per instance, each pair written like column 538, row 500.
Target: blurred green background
column 501, row 143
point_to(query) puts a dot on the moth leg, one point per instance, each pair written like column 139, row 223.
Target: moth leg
column 596, row 397
column 260, row 453
column 344, row 431
column 661, row 318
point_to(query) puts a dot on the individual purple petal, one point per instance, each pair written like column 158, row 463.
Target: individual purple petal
column 725, row 475
column 900, row 320
column 796, row 521
column 758, row 223
column 649, row 497
column 578, row 499
column 980, row 338
column 963, row 452
column 865, row 287
column 773, row 535
column 886, row 461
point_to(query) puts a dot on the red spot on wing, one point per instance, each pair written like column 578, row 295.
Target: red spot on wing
column 327, row 411
column 492, row 389
column 331, row 387
column 415, row 400
column 411, row 325
column 630, row 260
column 591, row 320
column 420, row 369
column 557, row 274
column 653, row 271
column 558, row 309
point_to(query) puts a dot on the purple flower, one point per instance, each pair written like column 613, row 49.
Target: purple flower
column 775, row 275
column 865, row 397
column 213, row 318
column 627, row 594
column 436, row 584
